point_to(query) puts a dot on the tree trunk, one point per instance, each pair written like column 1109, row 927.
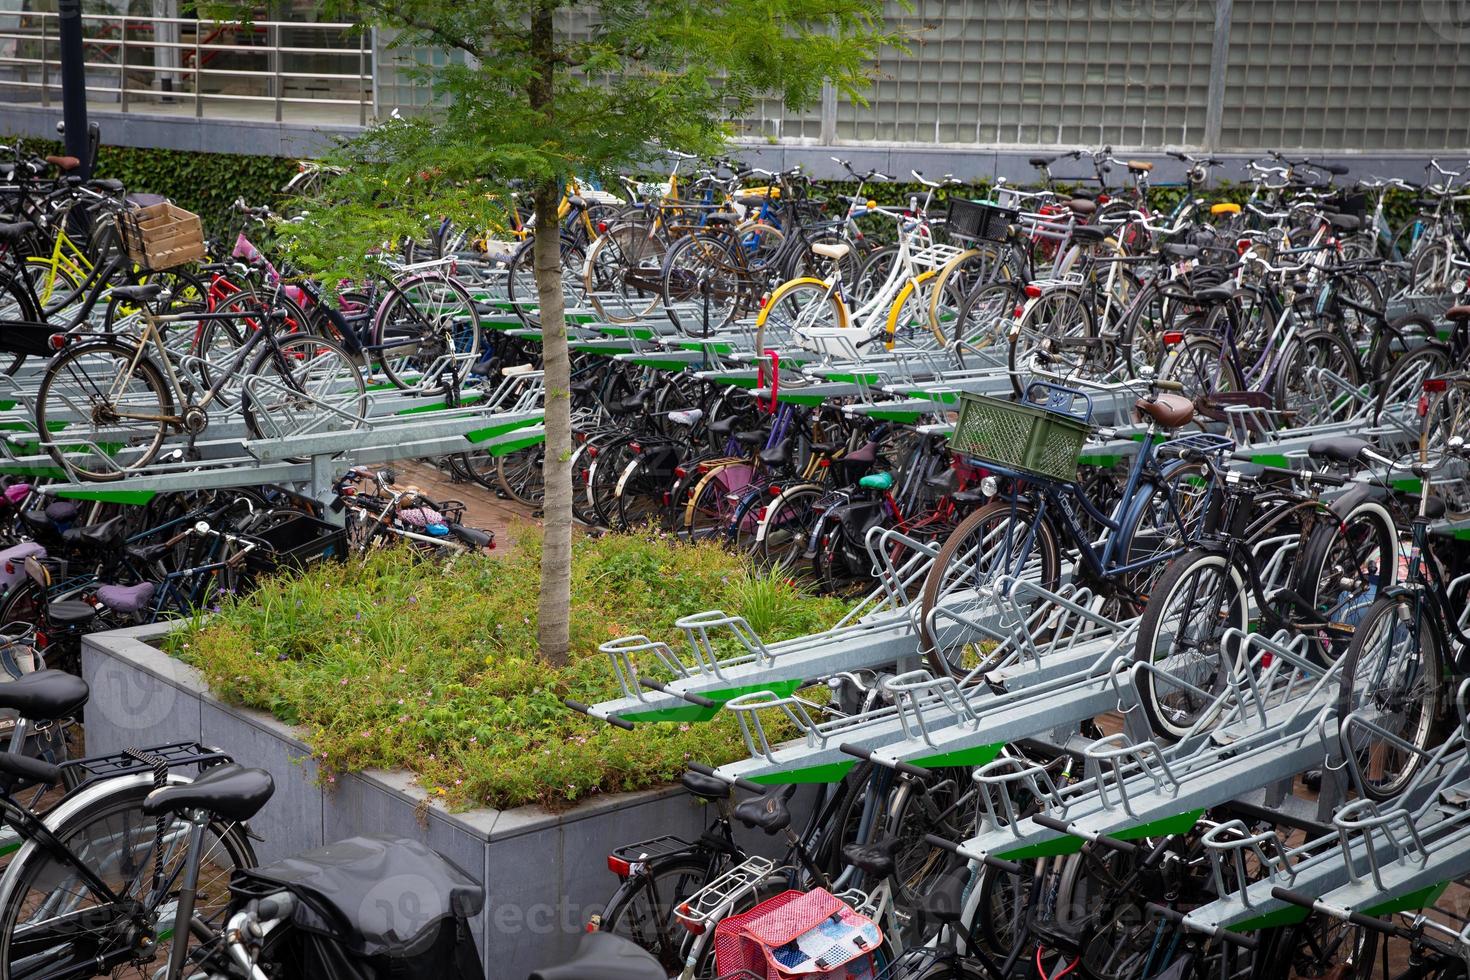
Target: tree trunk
column 555, row 609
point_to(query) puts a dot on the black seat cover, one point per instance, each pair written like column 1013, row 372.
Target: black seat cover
column 1343, row 222
column 605, row 956
column 778, row 454
column 705, row 787
column 875, row 859
column 1215, row 294
column 723, row 428
column 138, row 294
column 944, row 902
column 339, row 888
column 71, row 612
column 1433, row 510
column 14, row 231
column 944, row 481
column 17, row 769
column 45, row 695
column 768, row 812
column 1343, row 449
column 1086, row 234
column 471, row 535
column 753, row 437
column 231, row 792
column 108, row 534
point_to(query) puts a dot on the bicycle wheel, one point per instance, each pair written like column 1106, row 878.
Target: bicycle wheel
column 42, row 895
column 522, row 474
column 112, row 413
column 642, row 909
column 1322, row 946
column 622, row 273
column 983, row 323
column 1447, row 417
column 1397, row 403
column 1391, row 672
column 1345, row 564
column 216, row 342
column 786, row 529
column 1182, row 634
column 1318, row 379
column 15, row 304
column 999, row 538
column 1432, row 271
column 1201, row 367
column 1049, row 321
column 427, row 334
column 702, row 283
column 797, row 306
column 310, row 387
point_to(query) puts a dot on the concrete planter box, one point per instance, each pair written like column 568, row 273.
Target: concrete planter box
column 544, row 873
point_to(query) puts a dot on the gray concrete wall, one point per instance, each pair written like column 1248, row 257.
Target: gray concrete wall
column 544, row 873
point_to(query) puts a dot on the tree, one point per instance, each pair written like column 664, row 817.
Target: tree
column 543, row 90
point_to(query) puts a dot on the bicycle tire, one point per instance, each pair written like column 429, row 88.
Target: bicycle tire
column 658, row 886
column 155, row 404
column 1171, row 721
column 1412, row 680
column 959, row 547
column 97, row 815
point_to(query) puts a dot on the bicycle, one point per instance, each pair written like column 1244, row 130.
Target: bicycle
column 122, row 402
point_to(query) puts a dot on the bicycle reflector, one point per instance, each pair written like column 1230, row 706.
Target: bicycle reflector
column 619, row 866
column 635, row 447
column 686, row 918
column 1435, row 385
column 1172, row 337
column 1032, row 290
column 56, row 341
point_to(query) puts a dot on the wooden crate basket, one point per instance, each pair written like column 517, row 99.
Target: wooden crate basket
column 161, row 236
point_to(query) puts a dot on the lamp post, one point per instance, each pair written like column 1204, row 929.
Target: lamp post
column 74, row 86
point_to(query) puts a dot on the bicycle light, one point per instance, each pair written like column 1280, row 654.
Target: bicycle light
column 1435, row 385
column 1032, row 290
column 1172, row 337
column 990, row 486
column 56, row 341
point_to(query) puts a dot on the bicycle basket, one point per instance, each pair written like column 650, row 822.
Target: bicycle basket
column 1020, row 437
column 296, row 542
column 161, row 236
column 978, row 220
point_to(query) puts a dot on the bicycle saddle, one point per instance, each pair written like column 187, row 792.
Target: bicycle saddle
column 1041, row 161
column 1087, row 234
column 230, row 792
column 127, row 599
column 944, row 481
column 1215, row 294
column 1180, row 251
column 1170, row 411
column 1081, row 205
column 71, row 612
column 61, row 511
column 1457, row 314
column 777, row 454
column 64, row 163
column 945, row 901
column 1343, row 449
column 1343, row 222
column 768, row 812
column 146, row 553
column 138, row 294
column 1139, row 166
column 45, row 695
column 875, row 859
column 605, row 956
column 472, row 535
column 722, row 428
column 108, row 534
column 877, row 481
column 753, row 437
column 14, row 231
column 705, row 787
column 109, row 184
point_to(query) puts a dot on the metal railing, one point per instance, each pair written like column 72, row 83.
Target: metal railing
column 182, row 66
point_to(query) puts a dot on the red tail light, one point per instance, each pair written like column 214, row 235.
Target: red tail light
column 618, row 866
column 637, row 447
column 1032, row 290
column 695, row 927
column 1436, row 385
column 1016, row 313
column 667, row 498
column 1423, row 405
column 680, row 472
column 591, row 452
column 775, row 491
column 56, row 341
column 1172, row 337
column 41, row 641
column 760, row 515
column 824, row 462
column 1103, row 198
column 765, row 298
column 602, row 227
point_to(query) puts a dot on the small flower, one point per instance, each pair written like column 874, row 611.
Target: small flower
column 342, row 682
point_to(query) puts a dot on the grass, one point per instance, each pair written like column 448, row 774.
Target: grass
column 393, row 663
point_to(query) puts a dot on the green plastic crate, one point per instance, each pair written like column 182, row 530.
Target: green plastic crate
column 1020, row 437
